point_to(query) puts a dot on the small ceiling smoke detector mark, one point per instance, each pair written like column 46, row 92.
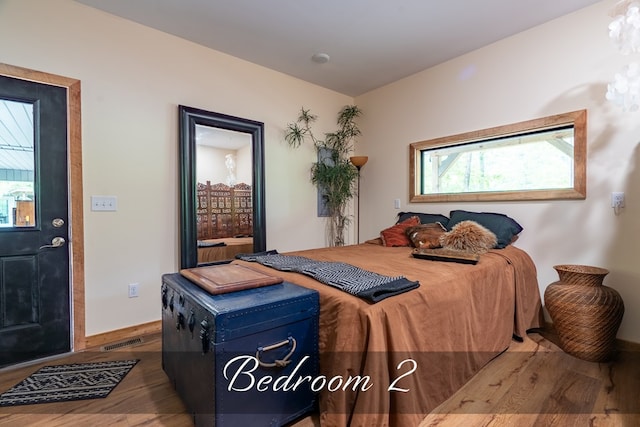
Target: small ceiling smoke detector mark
column 320, row 58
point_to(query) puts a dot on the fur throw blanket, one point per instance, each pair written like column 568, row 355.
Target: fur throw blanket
column 469, row 236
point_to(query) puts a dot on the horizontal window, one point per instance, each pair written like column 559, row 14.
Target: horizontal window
column 534, row 160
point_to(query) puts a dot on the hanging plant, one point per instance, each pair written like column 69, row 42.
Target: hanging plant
column 333, row 174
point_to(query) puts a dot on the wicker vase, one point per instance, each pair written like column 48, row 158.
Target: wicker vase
column 586, row 314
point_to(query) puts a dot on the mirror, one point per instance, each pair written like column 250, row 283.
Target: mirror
column 540, row 159
column 221, row 187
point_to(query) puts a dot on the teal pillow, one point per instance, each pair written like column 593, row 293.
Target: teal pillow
column 425, row 218
column 504, row 227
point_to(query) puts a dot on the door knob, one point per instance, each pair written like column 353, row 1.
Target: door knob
column 55, row 243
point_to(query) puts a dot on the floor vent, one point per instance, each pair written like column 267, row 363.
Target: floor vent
column 128, row 343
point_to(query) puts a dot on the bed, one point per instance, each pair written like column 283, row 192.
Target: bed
column 421, row 346
column 214, row 250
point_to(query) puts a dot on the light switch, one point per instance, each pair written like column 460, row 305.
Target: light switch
column 104, row 203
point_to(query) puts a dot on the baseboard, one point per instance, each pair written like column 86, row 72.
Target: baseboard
column 627, row 345
column 623, row 345
column 123, row 334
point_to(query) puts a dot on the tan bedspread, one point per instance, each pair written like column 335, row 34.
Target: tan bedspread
column 459, row 318
column 232, row 247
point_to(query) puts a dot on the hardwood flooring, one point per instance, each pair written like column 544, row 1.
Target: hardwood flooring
column 144, row 397
column 534, row 383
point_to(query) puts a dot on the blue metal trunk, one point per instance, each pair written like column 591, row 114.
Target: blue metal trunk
column 245, row 358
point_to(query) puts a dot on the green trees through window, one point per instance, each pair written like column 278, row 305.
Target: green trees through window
column 538, row 159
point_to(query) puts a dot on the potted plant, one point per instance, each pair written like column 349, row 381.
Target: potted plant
column 333, row 174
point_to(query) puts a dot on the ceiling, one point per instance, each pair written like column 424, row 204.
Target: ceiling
column 222, row 138
column 370, row 42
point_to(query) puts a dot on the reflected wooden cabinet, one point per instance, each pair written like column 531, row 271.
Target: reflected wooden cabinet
column 223, row 211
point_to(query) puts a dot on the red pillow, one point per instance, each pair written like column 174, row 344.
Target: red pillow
column 397, row 234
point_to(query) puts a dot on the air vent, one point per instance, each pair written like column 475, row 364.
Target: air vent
column 128, row 343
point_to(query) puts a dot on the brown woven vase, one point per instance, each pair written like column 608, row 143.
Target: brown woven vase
column 586, row 314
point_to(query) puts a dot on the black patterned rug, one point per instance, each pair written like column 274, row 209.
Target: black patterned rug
column 61, row 383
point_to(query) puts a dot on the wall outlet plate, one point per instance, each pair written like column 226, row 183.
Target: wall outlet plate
column 133, row 290
column 617, row 199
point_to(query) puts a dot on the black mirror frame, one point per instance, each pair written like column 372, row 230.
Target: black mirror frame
column 189, row 117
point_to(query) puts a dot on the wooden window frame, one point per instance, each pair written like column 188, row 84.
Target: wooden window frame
column 577, row 119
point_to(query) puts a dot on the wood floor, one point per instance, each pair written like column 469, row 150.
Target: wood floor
column 536, row 384
column 532, row 384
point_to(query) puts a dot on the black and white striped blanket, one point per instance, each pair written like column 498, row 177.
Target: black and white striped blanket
column 370, row 286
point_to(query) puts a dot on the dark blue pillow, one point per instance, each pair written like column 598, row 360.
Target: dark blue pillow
column 502, row 226
column 425, row 218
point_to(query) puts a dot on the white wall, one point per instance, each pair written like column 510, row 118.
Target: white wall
column 133, row 79
column 560, row 66
column 211, row 161
column 244, row 165
column 210, row 164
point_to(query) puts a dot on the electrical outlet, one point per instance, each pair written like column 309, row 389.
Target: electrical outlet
column 133, row 290
column 617, row 199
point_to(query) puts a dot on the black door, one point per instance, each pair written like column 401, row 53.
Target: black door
column 34, row 255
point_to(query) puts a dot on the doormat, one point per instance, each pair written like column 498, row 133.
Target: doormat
column 62, row 383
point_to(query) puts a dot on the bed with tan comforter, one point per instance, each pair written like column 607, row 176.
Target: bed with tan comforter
column 421, row 346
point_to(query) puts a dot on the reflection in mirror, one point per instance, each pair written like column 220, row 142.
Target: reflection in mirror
column 222, row 187
column 535, row 160
column 17, row 196
column 224, row 209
